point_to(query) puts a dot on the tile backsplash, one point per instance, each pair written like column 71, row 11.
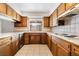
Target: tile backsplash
column 71, row 26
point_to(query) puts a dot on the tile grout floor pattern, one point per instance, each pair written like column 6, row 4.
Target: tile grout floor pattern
column 34, row 50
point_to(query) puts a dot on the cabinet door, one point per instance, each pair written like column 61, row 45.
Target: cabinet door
column 61, row 51
column 75, row 50
column 70, row 5
column 3, row 8
column 54, row 48
column 18, row 17
column 43, row 38
column 22, row 22
column 55, row 18
column 61, row 9
column 26, row 38
column 49, row 42
column 9, row 11
column 46, row 21
column 51, row 20
column 14, row 14
column 35, row 39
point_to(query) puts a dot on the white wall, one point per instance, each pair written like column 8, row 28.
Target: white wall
column 6, row 26
column 72, row 26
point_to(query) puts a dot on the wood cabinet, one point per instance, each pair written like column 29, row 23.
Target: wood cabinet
column 55, row 14
column 51, row 20
column 15, row 44
column 18, row 17
column 46, row 21
column 61, row 9
column 44, row 38
column 61, row 51
column 54, row 48
column 70, row 5
column 9, row 11
column 22, row 23
column 49, row 41
column 14, row 14
column 5, row 46
column 26, row 38
column 59, row 47
column 3, row 8
column 74, row 50
column 35, row 38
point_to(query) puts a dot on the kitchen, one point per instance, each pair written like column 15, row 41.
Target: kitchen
column 40, row 29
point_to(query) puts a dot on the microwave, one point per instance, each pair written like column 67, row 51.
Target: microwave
column 61, row 22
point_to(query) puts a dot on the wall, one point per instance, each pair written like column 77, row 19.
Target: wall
column 71, row 26
column 6, row 26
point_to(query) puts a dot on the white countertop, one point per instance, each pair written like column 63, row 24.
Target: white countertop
column 2, row 35
column 71, row 40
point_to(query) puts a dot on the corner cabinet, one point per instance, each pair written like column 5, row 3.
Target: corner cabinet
column 3, row 8
column 46, row 21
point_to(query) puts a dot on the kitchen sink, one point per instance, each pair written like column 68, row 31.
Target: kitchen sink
column 70, row 36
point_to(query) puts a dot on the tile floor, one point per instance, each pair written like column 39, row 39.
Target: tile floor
column 34, row 50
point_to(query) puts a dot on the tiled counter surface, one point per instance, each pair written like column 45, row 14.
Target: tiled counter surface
column 71, row 40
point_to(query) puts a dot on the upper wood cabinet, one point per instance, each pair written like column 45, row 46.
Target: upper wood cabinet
column 14, row 14
column 61, row 8
column 3, row 8
column 22, row 22
column 18, row 17
column 9, row 11
column 70, row 5
column 46, row 21
column 51, row 20
column 55, row 18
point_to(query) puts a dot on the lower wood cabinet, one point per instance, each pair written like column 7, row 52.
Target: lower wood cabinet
column 54, row 48
column 59, row 47
column 49, row 42
column 15, row 44
column 61, row 51
column 44, row 38
column 35, row 38
column 26, row 38
column 74, row 50
column 5, row 46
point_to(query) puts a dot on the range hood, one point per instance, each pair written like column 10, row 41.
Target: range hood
column 71, row 12
column 4, row 17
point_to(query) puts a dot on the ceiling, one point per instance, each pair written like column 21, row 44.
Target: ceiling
column 34, row 9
